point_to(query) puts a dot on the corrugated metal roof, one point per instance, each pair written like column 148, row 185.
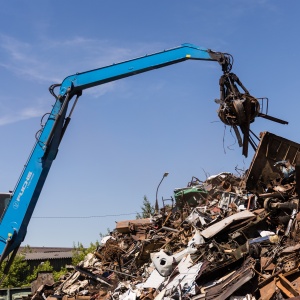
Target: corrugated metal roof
column 48, row 255
column 45, row 249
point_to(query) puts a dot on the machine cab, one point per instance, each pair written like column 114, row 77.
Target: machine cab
column 4, row 201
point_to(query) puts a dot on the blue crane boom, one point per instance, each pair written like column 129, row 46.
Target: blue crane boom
column 18, row 211
column 139, row 65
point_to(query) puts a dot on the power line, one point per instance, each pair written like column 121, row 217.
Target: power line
column 85, row 217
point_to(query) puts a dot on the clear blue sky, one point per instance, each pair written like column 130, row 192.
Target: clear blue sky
column 124, row 135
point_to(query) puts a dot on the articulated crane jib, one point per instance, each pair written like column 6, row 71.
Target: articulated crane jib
column 237, row 109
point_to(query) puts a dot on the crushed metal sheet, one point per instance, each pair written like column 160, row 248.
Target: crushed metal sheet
column 184, row 281
column 217, row 227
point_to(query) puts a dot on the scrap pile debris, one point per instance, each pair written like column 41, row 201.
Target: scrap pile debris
column 228, row 237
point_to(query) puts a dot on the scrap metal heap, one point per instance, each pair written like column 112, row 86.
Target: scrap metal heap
column 220, row 240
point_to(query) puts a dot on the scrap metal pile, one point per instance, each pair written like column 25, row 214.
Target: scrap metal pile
column 228, row 237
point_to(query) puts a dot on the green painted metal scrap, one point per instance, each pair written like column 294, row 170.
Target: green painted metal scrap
column 192, row 196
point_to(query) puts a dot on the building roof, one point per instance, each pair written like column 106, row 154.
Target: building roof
column 45, row 249
column 48, row 255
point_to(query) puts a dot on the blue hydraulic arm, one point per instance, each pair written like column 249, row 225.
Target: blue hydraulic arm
column 81, row 81
column 15, row 218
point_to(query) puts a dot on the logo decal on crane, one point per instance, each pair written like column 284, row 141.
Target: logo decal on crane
column 24, row 186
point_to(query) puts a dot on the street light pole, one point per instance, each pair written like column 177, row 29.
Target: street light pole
column 156, row 201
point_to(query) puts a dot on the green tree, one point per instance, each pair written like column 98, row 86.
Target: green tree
column 26, row 249
column 147, row 209
column 17, row 274
column 44, row 266
column 80, row 252
column 20, row 275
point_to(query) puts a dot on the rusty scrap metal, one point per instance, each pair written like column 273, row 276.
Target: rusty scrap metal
column 227, row 236
column 90, row 274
